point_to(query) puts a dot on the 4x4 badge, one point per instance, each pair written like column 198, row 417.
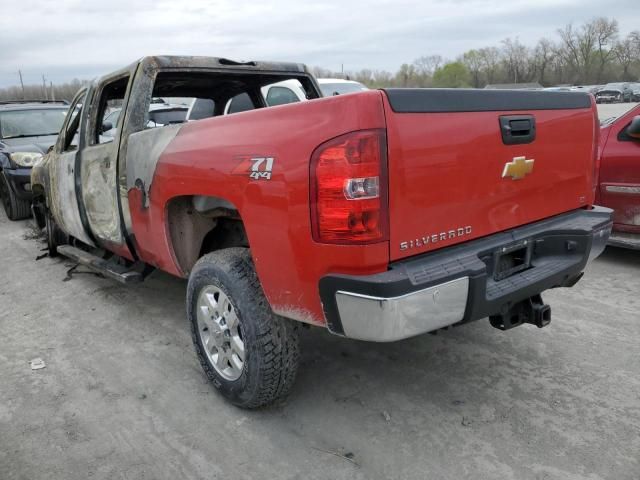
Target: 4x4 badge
column 518, row 168
column 255, row 167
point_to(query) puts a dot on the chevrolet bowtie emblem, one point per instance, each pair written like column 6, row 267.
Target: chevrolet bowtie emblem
column 517, row 168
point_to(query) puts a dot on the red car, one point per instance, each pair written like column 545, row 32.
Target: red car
column 619, row 182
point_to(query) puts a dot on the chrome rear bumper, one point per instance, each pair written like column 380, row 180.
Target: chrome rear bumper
column 381, row 319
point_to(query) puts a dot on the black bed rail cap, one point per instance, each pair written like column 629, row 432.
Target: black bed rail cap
column 441, row 100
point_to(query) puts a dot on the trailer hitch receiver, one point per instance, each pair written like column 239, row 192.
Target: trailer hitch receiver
column 532, row 310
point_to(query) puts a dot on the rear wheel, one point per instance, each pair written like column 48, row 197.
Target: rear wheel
column 15, row 208
column 250, row 354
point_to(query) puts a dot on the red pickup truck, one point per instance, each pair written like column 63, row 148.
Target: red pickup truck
column 378, row 215
column 619, row 178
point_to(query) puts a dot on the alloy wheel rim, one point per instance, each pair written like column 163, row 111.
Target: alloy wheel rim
column 220, row 332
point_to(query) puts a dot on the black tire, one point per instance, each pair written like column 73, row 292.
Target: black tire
column 271, row 346
column 15, row 208
column 55, row 236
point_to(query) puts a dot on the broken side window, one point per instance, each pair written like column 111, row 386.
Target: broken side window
column 105, row 127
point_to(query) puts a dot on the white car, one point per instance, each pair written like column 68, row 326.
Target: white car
column 339, row 86
column 286, row 92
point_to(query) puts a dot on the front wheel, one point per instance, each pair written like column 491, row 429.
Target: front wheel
column 250, row 354
column 15, row 208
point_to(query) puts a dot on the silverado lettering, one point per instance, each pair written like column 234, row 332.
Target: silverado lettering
column 422, row 241
column 265, row 248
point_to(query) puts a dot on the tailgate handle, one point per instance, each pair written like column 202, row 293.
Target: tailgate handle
column 518, row 129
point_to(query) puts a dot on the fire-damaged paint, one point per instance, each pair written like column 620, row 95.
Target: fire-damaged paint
column 143, row 154
column 619, row 179
column 62, row 200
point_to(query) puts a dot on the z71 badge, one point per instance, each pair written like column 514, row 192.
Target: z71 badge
column 255, row 167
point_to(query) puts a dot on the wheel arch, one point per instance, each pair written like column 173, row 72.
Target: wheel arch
column 201, row 224
column 4, row 161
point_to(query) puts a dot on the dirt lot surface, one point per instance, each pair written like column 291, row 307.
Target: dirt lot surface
column 122, row 395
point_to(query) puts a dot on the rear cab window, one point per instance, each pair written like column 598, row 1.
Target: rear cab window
column 215, row 93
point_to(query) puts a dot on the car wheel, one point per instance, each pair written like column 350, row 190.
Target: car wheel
column 250, row 354
column 55, row 236
column 15, row 208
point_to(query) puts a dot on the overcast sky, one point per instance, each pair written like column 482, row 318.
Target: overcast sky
column 66, row 39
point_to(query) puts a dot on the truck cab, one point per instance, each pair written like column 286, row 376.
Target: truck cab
column 89, row 171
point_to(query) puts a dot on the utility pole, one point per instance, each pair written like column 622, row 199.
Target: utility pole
column 53, row 94
column 44, row 87
column 22, row 84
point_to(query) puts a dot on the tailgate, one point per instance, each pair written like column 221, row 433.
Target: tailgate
column 465, row 164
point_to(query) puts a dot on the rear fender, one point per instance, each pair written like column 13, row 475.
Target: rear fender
column 215, row 157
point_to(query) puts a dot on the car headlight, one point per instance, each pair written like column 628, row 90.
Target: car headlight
column 25, row 159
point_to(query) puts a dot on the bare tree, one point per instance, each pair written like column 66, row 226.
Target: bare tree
column 473, row 61
column 382, row 78
column 606, row 32
column 515, row 59
column 626, row 53
column 490, row 58
column 543, row 55
column 428, row 64
column 406, row 75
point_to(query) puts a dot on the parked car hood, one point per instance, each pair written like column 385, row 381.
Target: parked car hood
column 28, row 144
column 609, row 90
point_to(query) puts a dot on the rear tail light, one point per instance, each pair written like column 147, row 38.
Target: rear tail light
column 349, row 189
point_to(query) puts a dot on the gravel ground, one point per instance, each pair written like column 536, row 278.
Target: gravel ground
column 123, row 396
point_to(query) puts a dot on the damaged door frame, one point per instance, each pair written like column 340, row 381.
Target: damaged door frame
column 100, row 173
column 66, row 202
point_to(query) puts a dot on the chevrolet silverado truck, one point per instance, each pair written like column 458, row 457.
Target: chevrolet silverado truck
column 379, row 215
column 619, row 178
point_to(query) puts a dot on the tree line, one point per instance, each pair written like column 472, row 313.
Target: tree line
column 63, row 91
column 593, row 53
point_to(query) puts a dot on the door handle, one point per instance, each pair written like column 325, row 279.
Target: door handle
column 518, row 129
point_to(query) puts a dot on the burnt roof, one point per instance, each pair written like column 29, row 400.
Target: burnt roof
column 200, row 62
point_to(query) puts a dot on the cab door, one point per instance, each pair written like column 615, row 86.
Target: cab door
column 620, row 175
column 64, row 166
column 99, row 169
